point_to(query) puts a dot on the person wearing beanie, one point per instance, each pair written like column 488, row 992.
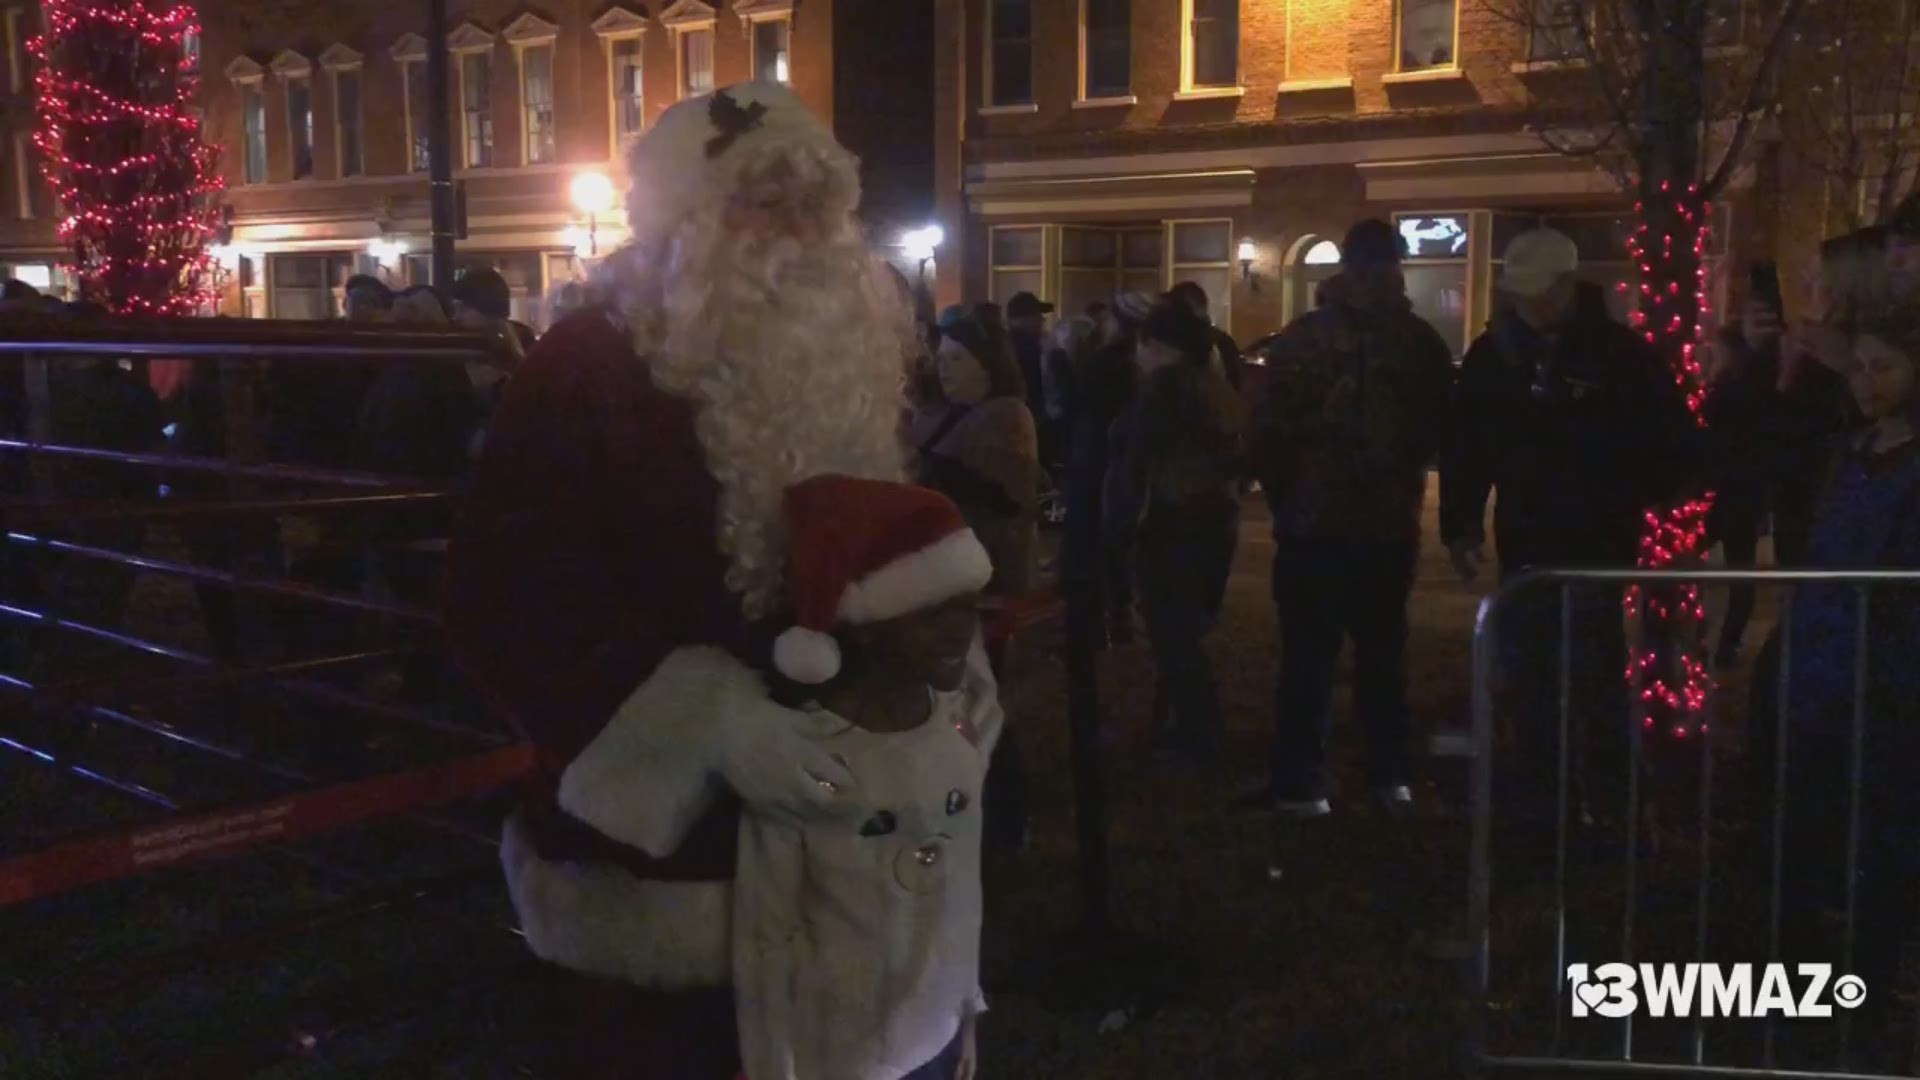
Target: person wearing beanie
column 619, row 568
column 984, row 453
column 857, row 928
column 1173, row 501
column 1354, row 413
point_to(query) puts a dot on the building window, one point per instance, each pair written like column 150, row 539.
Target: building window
column 1010, row 52
column 419, row 144
column 300, row 126
column 306, row 286
column 1019, row 261
column 1426, row 34
column 16, row 52
column 536, row 89
column 1106, row 44
column 1436, row 270
column 696, row 63
column 346, row 121
column 253, row 107
column 1202, row 252
column 1212, row 44
column 522, row 272
column 476, row 108
column 1553, row 30
column 189, row 52
column 1096, row 262
column 771, row 38
column 629, row 93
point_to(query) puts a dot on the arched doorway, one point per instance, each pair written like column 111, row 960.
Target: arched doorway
column 1312, row 260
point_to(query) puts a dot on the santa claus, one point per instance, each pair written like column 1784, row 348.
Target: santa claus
column 623, row 550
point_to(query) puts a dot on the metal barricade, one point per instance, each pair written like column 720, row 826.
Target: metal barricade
column 1736, row 1048
column 459, row 759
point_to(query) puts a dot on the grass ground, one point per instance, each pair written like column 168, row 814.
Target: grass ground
column 1334, row 970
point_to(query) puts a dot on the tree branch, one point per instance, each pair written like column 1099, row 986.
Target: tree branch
column 1757, row 92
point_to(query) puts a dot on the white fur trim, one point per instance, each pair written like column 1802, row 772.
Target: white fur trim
column 932, row 575
column 599, row 919
column 649, row 775
column 806, row 656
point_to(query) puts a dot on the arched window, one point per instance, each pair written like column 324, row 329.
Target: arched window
column 1324, row 253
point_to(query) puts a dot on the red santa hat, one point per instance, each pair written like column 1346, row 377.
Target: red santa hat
column 865, row 551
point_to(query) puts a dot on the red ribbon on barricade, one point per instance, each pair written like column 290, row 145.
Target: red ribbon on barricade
column 193, row 837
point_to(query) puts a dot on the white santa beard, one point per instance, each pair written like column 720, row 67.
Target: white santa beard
column 791, row 353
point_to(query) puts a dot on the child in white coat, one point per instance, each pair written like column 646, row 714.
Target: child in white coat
column 857, row 929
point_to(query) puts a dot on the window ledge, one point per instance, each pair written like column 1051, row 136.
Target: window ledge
column 1446, row 74
column 1106, row 102
column 1009, row 110
column 1308, row 86
column 1210, row 93
column 1535, row 67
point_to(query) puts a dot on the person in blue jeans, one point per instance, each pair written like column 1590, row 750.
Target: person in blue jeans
column 1356, row 405
column 1172, row 503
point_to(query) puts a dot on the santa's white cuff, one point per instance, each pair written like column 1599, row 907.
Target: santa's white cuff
column 651, row 773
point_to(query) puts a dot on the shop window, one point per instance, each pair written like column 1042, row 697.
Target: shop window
column 1018, row 261
column 1202, row 252
column 1437, row 271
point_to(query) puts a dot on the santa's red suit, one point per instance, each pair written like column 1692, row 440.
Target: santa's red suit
column 622, row 546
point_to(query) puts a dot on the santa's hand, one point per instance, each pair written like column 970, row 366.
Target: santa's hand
column 968, row 1067
column 771, row 760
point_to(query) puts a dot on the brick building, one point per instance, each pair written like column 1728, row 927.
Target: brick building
column 1090, row 145
column 319, row 110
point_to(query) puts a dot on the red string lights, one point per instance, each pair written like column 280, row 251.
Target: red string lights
column 121, row 144
column 1665, row 669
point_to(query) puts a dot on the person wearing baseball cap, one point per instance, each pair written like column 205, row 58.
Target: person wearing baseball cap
column 1574, row 421
column 1355, row 408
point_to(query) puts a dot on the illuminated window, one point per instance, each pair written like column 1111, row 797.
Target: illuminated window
column 476, row 108
column 696, row 63
column 1106, row 43
column 623, row 34
column 189, row 52
column 1553, row 30
column 772, row 40
column 1010, row 52
column 1019, row 261
column 16, row 52
column 536, row 86
column 1202, row 252
column 1425, row 30
column 253, row 106
column 419, row 107
column 300, row 126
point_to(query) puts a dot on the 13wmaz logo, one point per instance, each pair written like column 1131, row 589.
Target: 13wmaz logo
column 1708, row 990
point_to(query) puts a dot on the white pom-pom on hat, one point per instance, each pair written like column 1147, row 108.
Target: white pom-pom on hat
column 866, row 551
column 808, row 657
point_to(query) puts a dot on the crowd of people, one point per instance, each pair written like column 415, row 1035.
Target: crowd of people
column 685, row 565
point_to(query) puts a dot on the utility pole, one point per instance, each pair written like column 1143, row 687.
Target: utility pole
column 439, row 145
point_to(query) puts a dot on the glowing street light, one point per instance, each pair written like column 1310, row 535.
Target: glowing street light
column 919, row 244
column 592, row 195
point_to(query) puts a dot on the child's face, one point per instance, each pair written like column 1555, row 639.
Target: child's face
column 928, row 646
column 1883, row 379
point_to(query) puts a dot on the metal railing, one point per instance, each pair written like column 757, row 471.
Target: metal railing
column 1706, row 829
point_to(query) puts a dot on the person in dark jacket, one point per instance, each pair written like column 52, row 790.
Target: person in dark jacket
column 1580, row 430
column 1869, row 518
column 1027, row 334
column 1096, row 398
column 1742, row 414
column 1172, row 500
column 1191, row 296
column 1353, row 416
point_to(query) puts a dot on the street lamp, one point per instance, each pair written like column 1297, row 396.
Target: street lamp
column 592, row 195
column 919, row 244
